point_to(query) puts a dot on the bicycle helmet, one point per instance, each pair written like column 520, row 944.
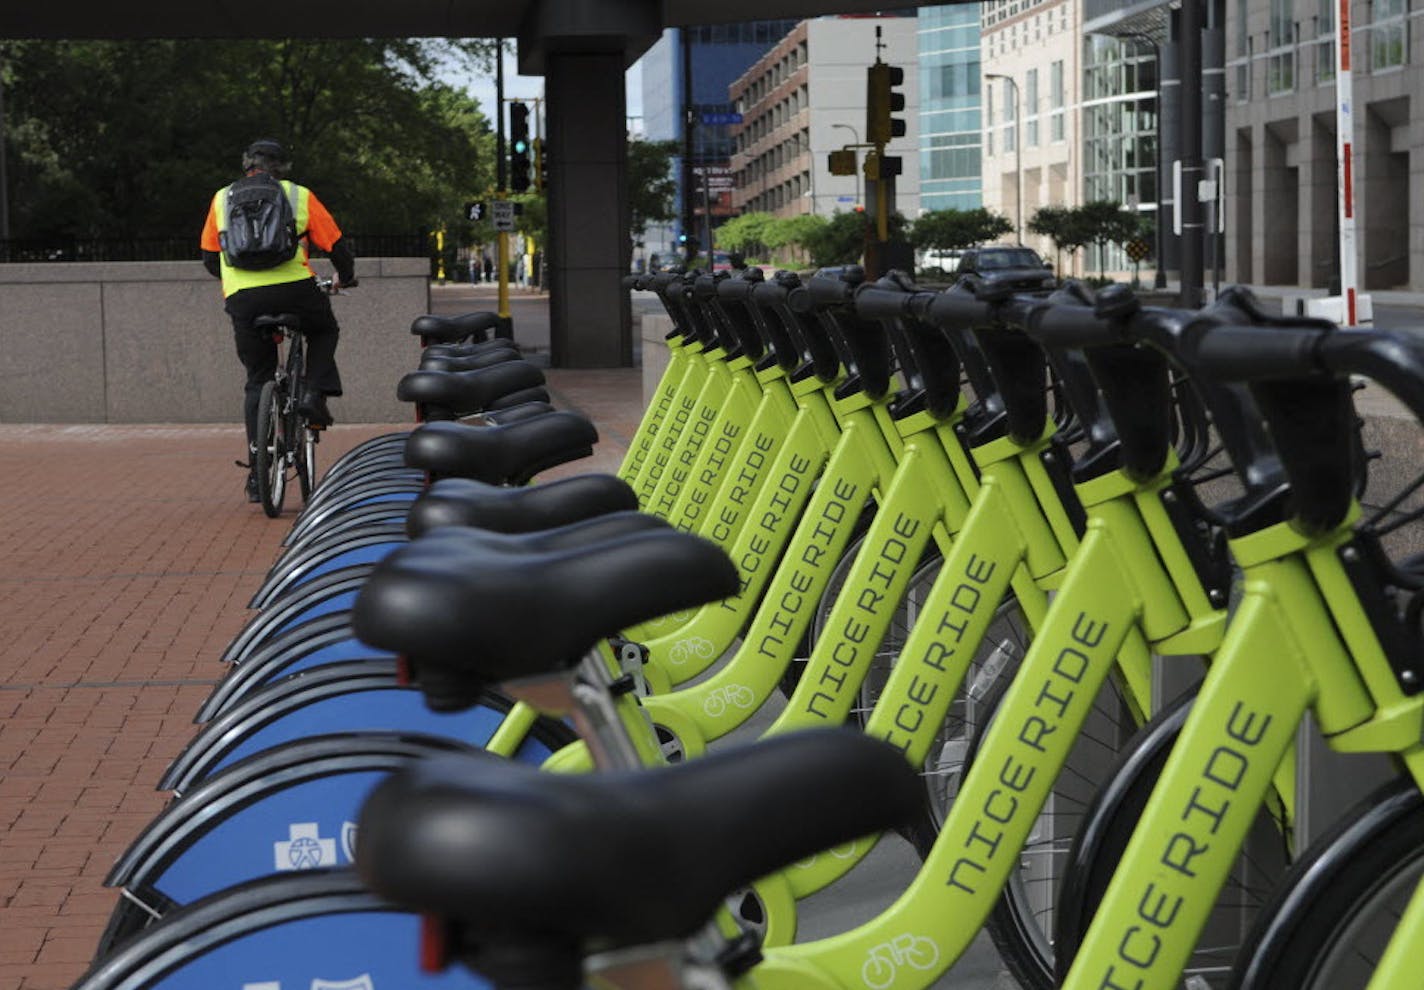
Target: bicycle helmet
column 268, row 155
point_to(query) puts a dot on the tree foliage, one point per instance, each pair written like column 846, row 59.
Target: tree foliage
column 842, row 240
column 131, row 138
column 746, row 234
column 1099, row 222
column 954, row 230
column 652, row 187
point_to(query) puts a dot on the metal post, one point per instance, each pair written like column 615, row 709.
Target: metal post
column 4, row 180
column 501, row 172
column 1190, row 205
column 689, row 224
column 1344, row 152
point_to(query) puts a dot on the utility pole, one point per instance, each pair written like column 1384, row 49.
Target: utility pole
column 1189, row 201
column 502, row 176
column 689, row 218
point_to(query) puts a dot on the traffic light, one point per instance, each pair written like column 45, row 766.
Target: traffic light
column 882, row 101
column 842, row 162
column 518, row 146
column 541, row 164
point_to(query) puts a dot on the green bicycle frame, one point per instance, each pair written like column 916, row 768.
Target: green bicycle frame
column 1115, row 595
column 669, row 385
column 766, row 521
column 1299, row 641
column 728, row 474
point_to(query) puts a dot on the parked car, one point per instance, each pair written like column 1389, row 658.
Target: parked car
column 1019, row 266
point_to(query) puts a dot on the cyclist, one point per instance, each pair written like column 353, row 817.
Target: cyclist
column 288, row 286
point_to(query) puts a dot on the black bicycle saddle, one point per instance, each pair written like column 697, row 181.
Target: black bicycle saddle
column 466, row 502
column 510, row 453
column 495, row 607
column 508, row 854
column 450, row 394
column 449, row 329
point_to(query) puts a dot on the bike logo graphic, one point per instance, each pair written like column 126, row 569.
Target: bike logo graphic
column 846, row 851
column 885, row 960
column 348, row 840
column 685, row 649
column 362, row 982
column 304, row 848
column 673, row 619
column 731, row 696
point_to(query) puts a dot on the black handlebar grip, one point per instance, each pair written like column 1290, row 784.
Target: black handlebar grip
column 769, row 293
column 739, row 287
column 956, row 310
column 881, row 304
column 1072, row 326
column 823, row 292
column 631, row 281
column 1246, row 353
column 1393, row 360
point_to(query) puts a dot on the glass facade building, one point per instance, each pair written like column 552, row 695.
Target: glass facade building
column 951, row 131
column 719, row 53
column 1119, row 129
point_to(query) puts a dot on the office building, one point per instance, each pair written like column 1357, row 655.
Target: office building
column 805, row 98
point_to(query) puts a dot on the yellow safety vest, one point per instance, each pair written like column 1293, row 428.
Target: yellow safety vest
column 237, row 279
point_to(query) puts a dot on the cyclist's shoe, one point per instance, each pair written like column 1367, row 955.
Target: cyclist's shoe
column 313, row 407
column 252, row 493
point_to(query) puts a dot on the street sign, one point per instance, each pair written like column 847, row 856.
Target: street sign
column 713, row 119
column 1137, row 250
column 502, row 213
column 476, row 211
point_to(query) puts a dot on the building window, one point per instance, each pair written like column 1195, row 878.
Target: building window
column 1389, row 34
column 1325, row 43
column 1280, row 54
column 1031, row 108
column 1055, row 100
column 989, row 120
column 1010, row 117
column 1243, row 55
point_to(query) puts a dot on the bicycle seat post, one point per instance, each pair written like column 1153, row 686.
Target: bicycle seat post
column 589, row 696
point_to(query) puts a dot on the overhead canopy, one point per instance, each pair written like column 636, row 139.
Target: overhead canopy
column 632, row 25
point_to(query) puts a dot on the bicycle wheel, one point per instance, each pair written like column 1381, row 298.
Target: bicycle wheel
column 1005, row 642
column 271, row 455
column 1022, row 921
column 1106, row 829
column 1328, row 924
column 306, row 460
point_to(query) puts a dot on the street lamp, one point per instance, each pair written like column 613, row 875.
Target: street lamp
column 855, row 139
column 1018, row 152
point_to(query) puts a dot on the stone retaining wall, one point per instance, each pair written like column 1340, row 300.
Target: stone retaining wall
column 148, row 342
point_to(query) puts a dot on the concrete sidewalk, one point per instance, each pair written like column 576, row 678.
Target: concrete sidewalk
column 127, row 557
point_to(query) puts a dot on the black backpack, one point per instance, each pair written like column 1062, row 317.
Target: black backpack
column 261, row 223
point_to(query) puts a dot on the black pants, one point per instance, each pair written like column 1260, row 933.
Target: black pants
column 258, row 352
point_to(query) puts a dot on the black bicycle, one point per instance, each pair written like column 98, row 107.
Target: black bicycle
column 286, row 442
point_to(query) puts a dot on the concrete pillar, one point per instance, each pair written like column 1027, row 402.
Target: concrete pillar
column 589, row 319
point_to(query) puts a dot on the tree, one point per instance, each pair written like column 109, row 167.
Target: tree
column 651, row 187
column 746, row 234
column 799, row 231
column 129, row 139
column 954, row 230
column 842, row 240
column 1105, row 222
column 1063, row 226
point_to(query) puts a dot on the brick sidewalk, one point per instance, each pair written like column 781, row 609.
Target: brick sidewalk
column 127, row 557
